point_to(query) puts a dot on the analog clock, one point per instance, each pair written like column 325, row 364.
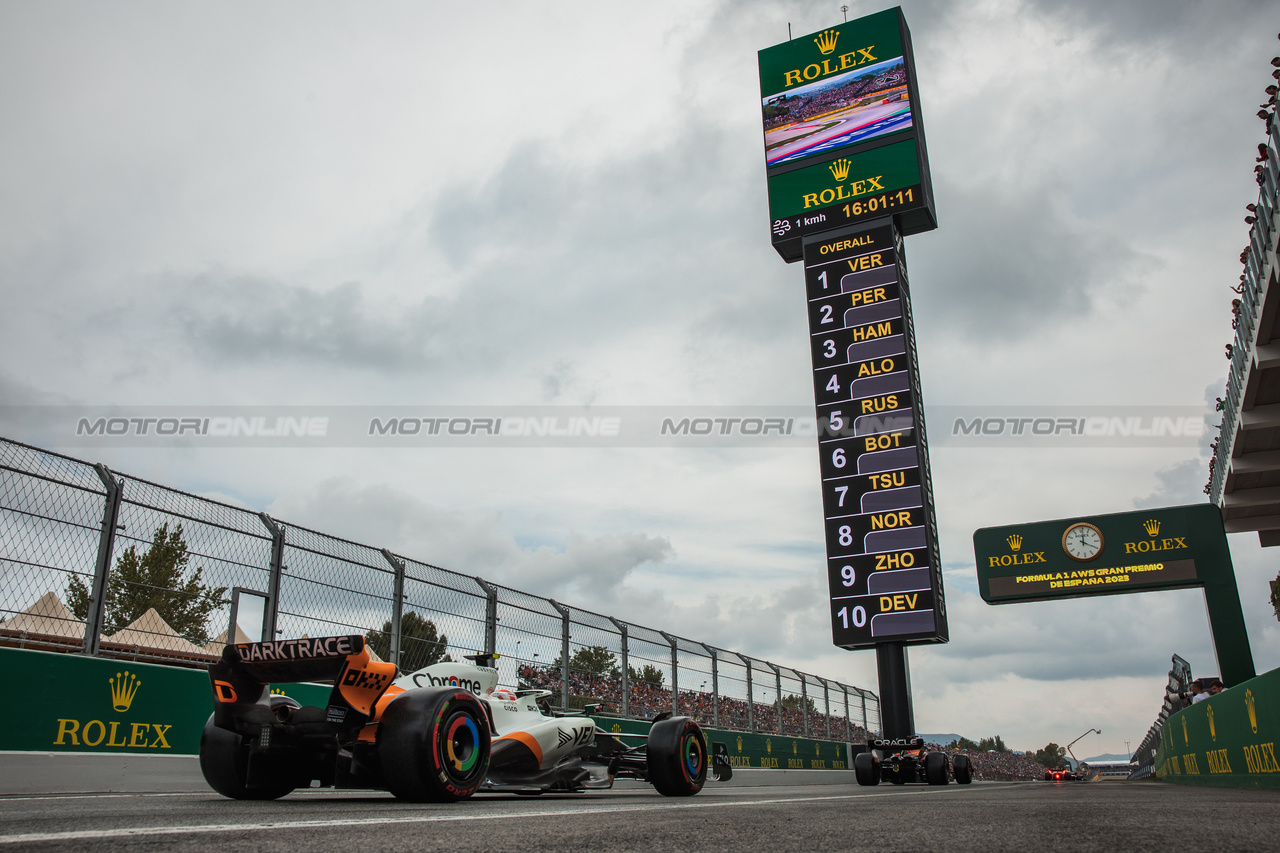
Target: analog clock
column 1082, row 542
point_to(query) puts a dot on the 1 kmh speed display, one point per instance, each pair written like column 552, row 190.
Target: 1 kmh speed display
column 883, row 568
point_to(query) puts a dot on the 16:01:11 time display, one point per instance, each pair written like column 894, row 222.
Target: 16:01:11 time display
column 880, row 202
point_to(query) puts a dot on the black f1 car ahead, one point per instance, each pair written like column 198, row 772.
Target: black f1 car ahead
column 909, row 760
column 439, row 734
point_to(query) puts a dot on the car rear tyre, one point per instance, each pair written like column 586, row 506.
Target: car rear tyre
column 866, row 768
column 677, row 757
column 935, row 768
column 433, row 744
column 224, row 761
column 962, row 769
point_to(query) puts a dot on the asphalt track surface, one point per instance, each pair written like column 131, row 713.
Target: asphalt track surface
column 983, row 816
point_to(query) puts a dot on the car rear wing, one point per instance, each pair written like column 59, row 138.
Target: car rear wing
column 895, row 744
column 242, row 678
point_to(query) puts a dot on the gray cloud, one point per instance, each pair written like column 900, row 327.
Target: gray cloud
column 1179, row 484
column 1200, row 27
column 586, row 571
column 1087, row 638
column 253, row 321
column 1013, row 259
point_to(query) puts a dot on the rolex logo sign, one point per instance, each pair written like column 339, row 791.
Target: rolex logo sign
column 1015, row 542
column 826, row 41
column 108, row 730
column 840, row 169
column 123, row 689
column 1152, row 526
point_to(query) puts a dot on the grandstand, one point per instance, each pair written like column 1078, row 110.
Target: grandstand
column 645, row 700
column 1244, row 472
column 1109, row 772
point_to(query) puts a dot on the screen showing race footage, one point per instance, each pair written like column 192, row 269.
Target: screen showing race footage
column 835, row 112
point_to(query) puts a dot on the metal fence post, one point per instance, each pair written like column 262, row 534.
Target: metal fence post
column 675, row 672
column 102, row 567
column 751, row 702
column 626, row 666
column 272, row 614
column 715, row 685
column 804, row 700
column 397, row 604
column 848, row 730
column 777, row 685
column 564, row 652
column 866, row 725
column 826, row 703
column 490, row 615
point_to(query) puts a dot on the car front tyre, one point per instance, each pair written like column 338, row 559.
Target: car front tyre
column 677, row 757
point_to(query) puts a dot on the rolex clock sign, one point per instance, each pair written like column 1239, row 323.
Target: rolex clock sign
column 1100, row 555
column 1152, row 549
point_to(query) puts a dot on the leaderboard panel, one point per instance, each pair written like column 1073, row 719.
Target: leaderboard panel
column 883, row 568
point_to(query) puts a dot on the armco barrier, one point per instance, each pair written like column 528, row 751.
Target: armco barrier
column 1229, row 740
column 71, row 703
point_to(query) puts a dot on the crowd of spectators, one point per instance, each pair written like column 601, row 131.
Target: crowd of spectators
column 646, row 699
column 804, row 107
column 992, row 766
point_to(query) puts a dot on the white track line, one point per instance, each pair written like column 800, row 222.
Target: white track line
column 205, row 829
column 18, row 799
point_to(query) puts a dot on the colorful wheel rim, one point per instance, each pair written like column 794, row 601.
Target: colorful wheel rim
column 462, row 743
column 692, row 756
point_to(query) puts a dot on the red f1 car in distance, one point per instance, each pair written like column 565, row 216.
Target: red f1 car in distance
column 909, row 760
column 1063, row 774
column 439, row 734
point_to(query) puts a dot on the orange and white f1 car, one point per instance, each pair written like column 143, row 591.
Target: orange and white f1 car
column 439, row 734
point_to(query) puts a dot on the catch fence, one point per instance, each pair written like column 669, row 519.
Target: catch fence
column 100, row 563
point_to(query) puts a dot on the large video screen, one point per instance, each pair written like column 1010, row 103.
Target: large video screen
column 857, row 106
column 844, row 131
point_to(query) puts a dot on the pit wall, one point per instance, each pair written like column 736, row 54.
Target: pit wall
column 1228, row 740
column 76, row 704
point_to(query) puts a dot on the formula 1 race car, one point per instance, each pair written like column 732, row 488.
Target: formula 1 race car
column 436, row 735
column 909, row 760
column 1064, row 774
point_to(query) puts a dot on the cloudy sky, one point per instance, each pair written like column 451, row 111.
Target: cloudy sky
column 563, row 204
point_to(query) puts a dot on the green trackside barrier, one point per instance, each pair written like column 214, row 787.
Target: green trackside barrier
column 757, row 750
column 71, row 703
column 1229, row 740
